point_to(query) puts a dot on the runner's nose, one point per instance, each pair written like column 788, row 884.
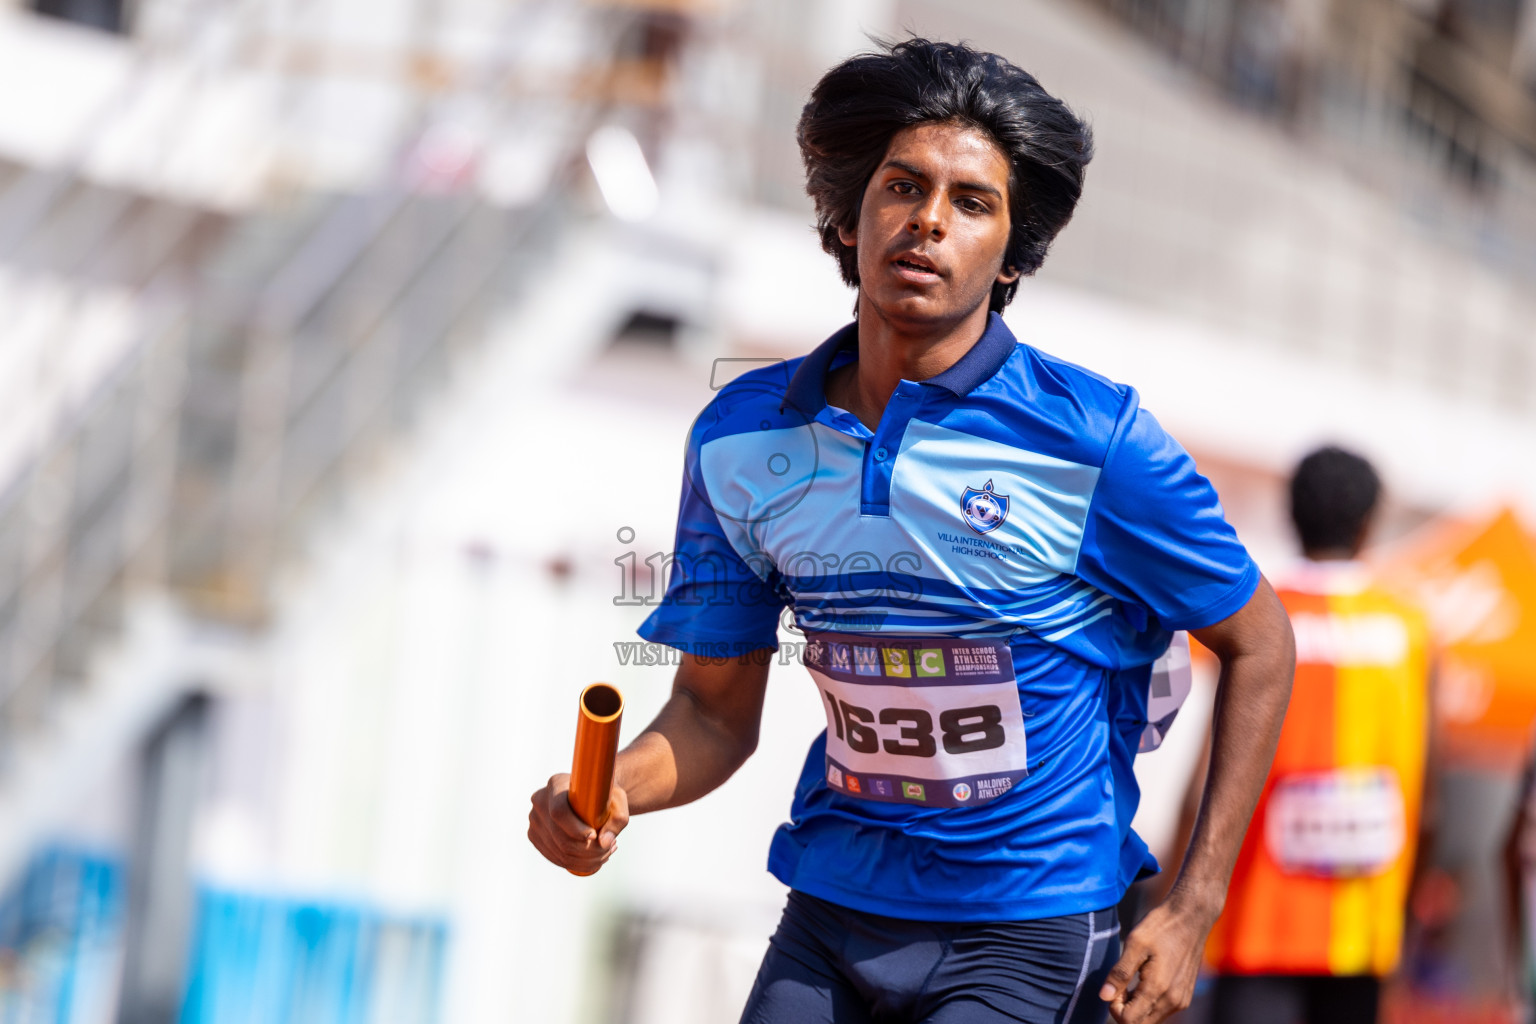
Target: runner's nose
column 928, row 218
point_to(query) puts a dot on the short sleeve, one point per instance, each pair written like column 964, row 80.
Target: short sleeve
column 1156, row 534
column 717, row 602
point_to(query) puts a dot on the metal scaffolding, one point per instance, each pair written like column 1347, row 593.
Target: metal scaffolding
column 283, row 352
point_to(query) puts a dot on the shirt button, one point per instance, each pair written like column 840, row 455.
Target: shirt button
column 881, row 454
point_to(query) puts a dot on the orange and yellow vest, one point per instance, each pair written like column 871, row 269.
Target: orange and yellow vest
column 1323, row 875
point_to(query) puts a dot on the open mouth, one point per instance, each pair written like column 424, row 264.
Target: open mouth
column 915, row 267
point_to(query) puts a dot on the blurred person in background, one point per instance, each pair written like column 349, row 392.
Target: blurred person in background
column 972, row 534
column 1314, row 918
column 1520, row 885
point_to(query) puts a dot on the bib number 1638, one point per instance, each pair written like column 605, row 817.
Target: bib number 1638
column 909, row 732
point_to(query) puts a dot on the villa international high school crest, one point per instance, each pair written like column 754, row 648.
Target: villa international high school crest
column 983, row 510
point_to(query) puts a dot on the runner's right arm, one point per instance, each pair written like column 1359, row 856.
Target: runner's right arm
column 704, row 732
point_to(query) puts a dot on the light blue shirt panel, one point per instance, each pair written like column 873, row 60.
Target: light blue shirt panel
column 809, row 509
column 793, row 497
column 809, row 522
column 1048, row 501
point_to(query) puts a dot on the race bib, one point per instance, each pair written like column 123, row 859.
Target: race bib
column 929, row 721
column 1342, row 823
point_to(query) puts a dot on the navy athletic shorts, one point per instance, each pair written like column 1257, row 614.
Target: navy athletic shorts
column 829, row 964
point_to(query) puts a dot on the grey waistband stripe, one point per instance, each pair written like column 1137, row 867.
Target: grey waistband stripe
column 1082, row 975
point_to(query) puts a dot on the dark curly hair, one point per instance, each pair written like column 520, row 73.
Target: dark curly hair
column 1333, row 495
column 860, row 104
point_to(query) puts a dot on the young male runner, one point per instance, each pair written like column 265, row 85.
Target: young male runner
column 1314, row 918
column 987, row 549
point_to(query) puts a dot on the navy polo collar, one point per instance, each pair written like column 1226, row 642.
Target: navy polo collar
column 808, row 392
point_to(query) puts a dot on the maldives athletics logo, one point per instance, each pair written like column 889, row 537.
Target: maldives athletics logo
column 983, row 510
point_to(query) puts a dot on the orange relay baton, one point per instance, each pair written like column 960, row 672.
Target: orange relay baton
column 597, row 744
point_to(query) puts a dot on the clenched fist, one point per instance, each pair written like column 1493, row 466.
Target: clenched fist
column 565, row 839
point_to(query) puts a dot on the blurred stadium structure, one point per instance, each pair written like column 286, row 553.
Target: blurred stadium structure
column 346, row 353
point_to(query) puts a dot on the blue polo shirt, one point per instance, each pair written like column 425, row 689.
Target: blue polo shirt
column 984, row 582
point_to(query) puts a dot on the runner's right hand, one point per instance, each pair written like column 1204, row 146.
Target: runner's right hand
column 565, row 839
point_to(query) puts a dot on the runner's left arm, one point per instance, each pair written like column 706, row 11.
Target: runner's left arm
column 1163, row 953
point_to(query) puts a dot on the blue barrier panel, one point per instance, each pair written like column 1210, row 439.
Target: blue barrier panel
column 60, row 939
column 256, row 958
column 260, row 959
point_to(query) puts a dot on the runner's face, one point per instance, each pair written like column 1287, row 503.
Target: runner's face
column 934, row 225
